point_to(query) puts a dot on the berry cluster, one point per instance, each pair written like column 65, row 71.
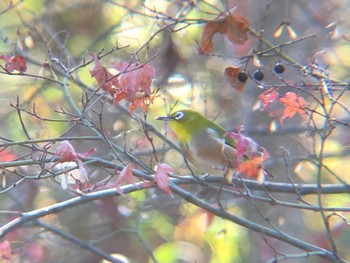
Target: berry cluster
column 259, row 75
column 278, row 69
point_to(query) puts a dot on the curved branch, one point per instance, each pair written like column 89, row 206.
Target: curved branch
column 29, row 216
column 32, row 215
column 297, row 188
column 256, row 227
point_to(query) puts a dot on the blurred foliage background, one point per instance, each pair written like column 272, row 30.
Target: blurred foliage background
column 147, row 226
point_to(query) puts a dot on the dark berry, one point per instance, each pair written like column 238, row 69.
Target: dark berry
column 279, row 68
column 242, row 77
column 258, row 75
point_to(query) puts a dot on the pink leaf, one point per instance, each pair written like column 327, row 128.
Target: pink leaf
column 135, row 84
column 126, row 175
column 161, row 177
column 233, row 26
column 5, row 250
column 6, row 156
column 245, row 146
column 67, row 153
column 137, row 79
column 103, row 77
column 268, row 97
column 86, row 154
column 15, row 63
column 132, row 83
column 250, row 156
column 293, row 104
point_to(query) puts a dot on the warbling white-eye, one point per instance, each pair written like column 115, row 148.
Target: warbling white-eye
column 203, row 142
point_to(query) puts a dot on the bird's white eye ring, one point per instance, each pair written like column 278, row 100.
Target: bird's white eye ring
column 179, row 115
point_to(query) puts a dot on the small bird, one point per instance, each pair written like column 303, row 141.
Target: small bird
column 203, row 142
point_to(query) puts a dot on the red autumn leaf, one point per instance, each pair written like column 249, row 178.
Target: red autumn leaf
column 253, row 168
column 293, row 104
column 268, row 97
column 125, row 176
column 234, row 27
column 161, row 177
column 103, row 76
column 141, row 103
column 250, row 156
column 237, row 29
column 15, row 63
column 135, row 79
column 66, row 151
column 132, row 82
column 135, row 82
column 6, row 156
column 250, row 168
column 5, row 250
column 231, row 74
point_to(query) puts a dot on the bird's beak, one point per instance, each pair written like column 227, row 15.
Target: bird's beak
column 163, row 118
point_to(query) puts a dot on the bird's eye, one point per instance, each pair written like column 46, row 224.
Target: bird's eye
column 179, row 115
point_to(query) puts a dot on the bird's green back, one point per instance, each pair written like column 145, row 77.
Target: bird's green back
column 188, row 123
